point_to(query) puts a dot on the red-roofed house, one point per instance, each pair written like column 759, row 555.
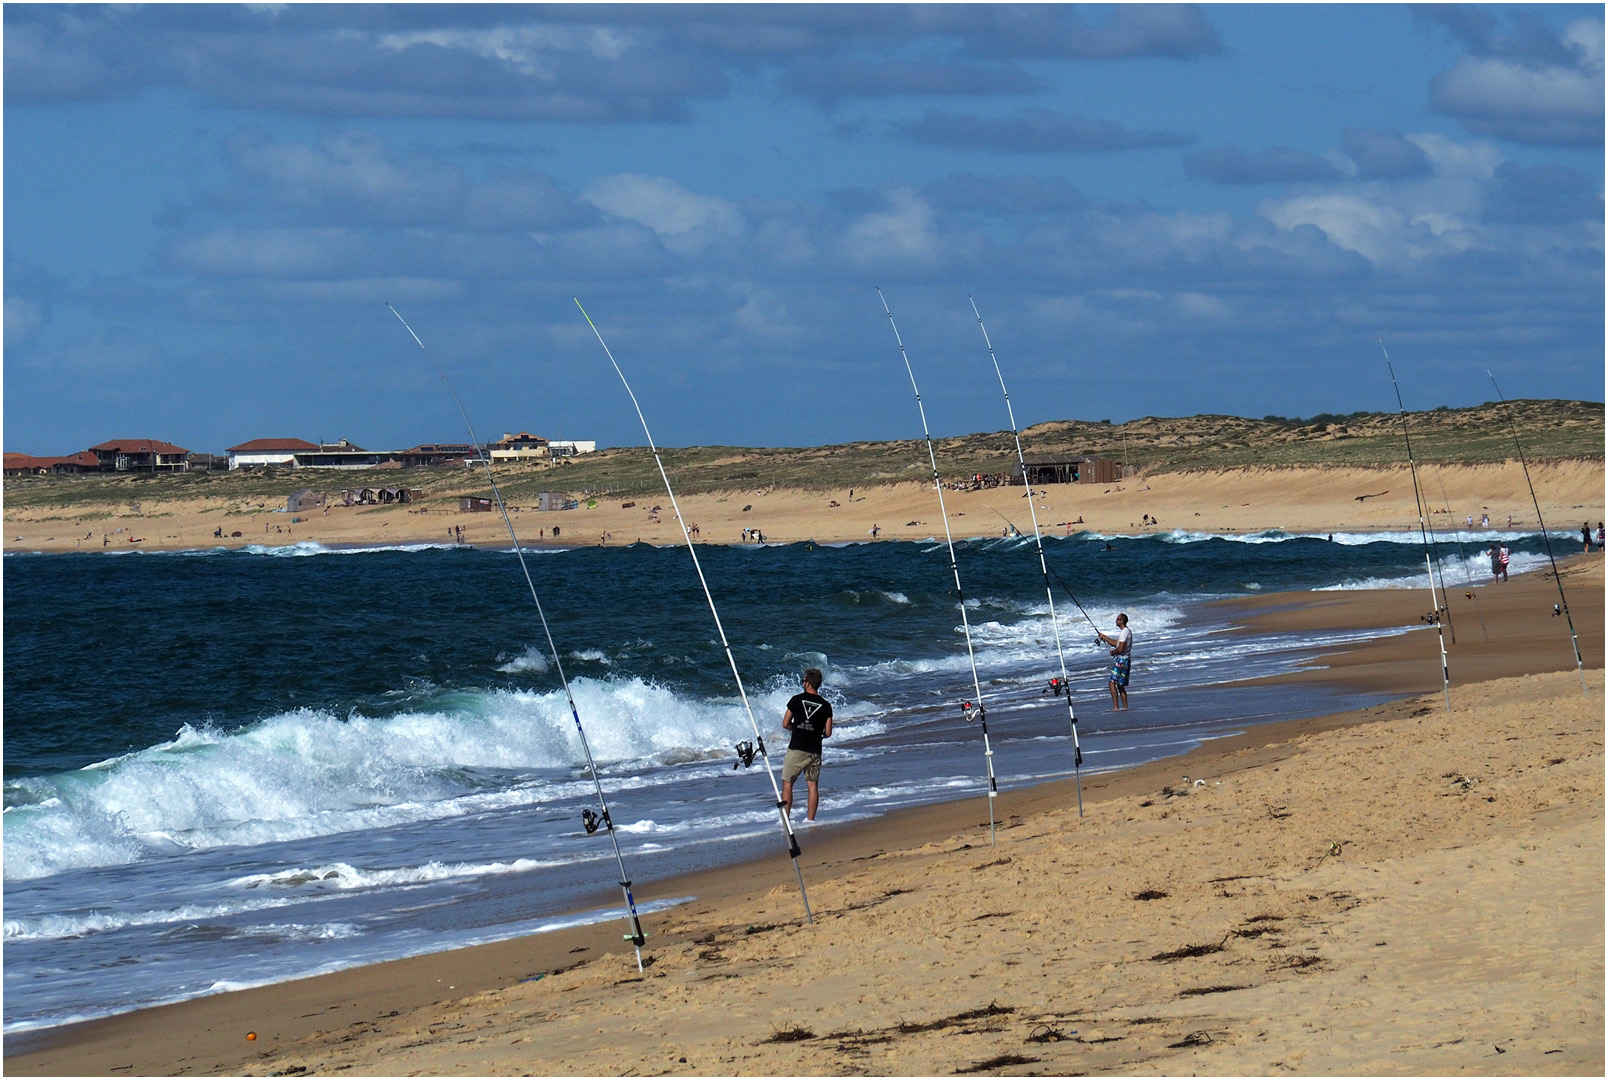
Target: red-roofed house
column 139, row 455
column 261, row 452
column 28, row 465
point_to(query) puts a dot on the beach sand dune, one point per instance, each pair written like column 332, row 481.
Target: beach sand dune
column 1396, row 891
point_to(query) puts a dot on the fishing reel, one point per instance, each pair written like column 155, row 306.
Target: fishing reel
column 747, row 752
column 591, row 821
column 972, row 712
column 1433, row 618
column 1058, row 687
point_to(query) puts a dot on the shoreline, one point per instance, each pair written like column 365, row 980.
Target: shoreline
column 1241, row 501
column 285, row 1016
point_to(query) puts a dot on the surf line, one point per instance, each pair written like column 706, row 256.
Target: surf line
column 745, row 754
column 967, row 709
column 1423, row 532
column 1563, row 603
column 591, row 822
column 1063, row 687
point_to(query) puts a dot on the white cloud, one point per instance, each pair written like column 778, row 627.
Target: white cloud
column 685, row 221
column 351, row 167
column 267, row 252
column 904, row 228
column 1351, row 221
column 522, row 48
column 1530, row 102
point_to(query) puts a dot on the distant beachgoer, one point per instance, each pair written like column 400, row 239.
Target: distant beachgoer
column 809, row 718
column 1471, row 521
column 875, row 528
column 1510, row 523
column 1600, row 537
column 1121, row 662
column 1585, row 538
column 1502, row 558
column 1496, row 564
column 1485, row 521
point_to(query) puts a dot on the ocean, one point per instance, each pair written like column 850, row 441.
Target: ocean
column 229, row 768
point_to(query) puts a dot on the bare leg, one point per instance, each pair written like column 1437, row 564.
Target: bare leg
column 787, row 797
column 1113, row 697
column 1122, row 691
column 814, row 798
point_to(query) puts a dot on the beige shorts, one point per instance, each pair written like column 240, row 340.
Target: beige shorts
column 798, row 761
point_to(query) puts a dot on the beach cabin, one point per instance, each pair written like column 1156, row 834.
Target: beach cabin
column 473, row 504
column 304, row 499
column 552, row 500
column 1070, row 470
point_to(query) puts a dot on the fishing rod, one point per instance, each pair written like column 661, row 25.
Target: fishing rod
column 745, row 753
column 967, row 710
column 1462, row 554
column 1423, row 531
column 589, row 820
column 1563, row 602
column 1063, row 688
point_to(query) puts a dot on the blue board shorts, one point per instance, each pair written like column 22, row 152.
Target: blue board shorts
column 1119, row 670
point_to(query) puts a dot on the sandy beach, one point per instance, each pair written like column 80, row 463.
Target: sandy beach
column 1397, row 890
column 1310, row 500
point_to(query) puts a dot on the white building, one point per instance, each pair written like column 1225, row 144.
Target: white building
column 259, row 453
column 570, row 447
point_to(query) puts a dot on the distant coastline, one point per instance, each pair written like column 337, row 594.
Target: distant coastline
column 1317, row 501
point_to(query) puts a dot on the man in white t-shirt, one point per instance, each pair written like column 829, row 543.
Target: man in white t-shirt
column 1121, row 662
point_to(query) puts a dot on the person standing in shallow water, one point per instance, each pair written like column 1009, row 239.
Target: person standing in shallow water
column 809, row 718
column 1121, row 662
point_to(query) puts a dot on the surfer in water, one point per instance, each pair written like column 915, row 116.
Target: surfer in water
column 1121, row 661
column 809, row 718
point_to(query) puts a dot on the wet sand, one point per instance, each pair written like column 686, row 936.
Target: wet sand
column 1396, row 890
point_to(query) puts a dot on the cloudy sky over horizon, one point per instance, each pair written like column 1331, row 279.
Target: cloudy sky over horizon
column 1161, row 210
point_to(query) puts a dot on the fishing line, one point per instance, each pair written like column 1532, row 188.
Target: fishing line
column 1064, row 586
column 743, row 751
column 1563, row 602
column 977, row 713
column 1462, row 554
column 589, row 820
column 1423, row 531
column 1063, row 688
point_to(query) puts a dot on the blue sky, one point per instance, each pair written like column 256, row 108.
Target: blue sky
column 1160, row 210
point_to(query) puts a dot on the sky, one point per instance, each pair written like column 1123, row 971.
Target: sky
column 1159, row 210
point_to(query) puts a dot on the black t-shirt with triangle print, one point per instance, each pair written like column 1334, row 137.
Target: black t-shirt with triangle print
column 810, row 714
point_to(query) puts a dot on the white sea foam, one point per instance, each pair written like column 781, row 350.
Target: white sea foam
column 534, row 658
column 308, row 773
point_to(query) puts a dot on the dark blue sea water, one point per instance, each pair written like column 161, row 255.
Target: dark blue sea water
column 227, row 768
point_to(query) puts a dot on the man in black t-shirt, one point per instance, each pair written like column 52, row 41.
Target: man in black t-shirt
column 809, row 718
